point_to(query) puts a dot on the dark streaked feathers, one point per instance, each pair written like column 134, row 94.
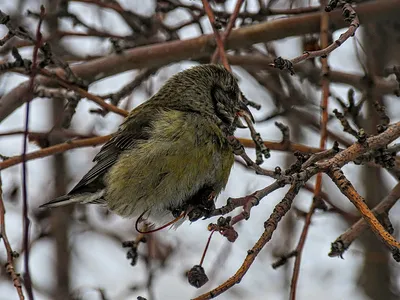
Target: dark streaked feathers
column 124, row 139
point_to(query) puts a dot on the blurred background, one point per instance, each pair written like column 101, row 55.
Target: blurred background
column 76, row 252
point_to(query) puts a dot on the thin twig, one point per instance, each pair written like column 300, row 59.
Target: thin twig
column 218, row 39
column 349, row 15
column 59, row 148
column 323, row 138
column 238, row 149
column 86, row 94
column 10, row 253
column 247, row 202
column 26, row 221
column 228, row 29
column 321, row 155
column 206, row 248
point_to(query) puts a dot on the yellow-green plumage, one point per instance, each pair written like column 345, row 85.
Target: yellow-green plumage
column 185, row 153
column 171, row 154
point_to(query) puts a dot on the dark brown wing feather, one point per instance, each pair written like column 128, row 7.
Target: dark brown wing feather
column 125, row 138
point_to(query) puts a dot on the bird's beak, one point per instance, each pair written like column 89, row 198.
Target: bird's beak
column 239, row 123
column 245, row 112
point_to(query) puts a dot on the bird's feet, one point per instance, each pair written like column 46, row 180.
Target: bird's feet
column 197, row 207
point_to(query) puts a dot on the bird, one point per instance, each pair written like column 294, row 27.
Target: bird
column 171, row 155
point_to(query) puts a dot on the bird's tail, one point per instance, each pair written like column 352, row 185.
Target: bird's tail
column 61, row 201
column 95, row 198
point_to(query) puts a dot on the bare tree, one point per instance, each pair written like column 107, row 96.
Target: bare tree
column 303, row 93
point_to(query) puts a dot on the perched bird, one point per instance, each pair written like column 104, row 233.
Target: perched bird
column 171, row 155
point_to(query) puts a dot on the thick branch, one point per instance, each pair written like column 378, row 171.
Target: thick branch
column 350, row 192
column 165, row 53
column 342, row 243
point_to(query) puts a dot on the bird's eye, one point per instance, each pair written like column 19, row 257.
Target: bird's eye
column 231, row 94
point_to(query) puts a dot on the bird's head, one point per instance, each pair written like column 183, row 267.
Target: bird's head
column 210, row 90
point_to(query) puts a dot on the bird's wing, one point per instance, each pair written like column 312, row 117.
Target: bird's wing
column 127, row 136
